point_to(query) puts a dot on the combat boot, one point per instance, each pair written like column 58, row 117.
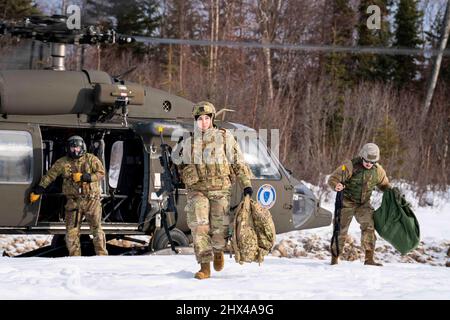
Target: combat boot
column 204, row 272
column 334, row 260
column 369, row 259
column 218, row 261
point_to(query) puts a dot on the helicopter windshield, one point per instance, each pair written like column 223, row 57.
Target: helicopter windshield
column 259, row 160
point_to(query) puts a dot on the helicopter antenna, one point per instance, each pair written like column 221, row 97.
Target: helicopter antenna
column 123, row 74
column 223, row 112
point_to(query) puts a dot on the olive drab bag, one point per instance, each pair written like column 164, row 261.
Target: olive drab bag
column 396, row 223
column 253, row 232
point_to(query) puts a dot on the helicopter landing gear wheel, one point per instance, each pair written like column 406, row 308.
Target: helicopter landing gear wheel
column 161, row 241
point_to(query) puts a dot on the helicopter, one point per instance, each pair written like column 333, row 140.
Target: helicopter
column 119, row 122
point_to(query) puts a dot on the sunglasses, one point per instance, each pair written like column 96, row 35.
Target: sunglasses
column 371, row 162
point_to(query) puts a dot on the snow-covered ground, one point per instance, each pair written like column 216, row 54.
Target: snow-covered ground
column 298, row 269
column 171, row 277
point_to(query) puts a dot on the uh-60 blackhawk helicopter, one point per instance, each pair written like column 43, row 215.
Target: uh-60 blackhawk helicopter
column 119, row 122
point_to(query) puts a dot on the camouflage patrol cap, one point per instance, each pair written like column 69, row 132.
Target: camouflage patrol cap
column 203, row 107
column 370, row 152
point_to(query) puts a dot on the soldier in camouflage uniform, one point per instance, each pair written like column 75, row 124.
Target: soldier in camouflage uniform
column 207, row 161
column 81, row 174
column 362, row 174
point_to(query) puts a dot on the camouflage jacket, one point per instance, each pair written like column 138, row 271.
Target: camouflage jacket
column 211, row 160
column 66, row 166
column 359, row 182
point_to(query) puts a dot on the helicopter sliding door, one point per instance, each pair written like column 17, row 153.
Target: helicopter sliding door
column 20, row 165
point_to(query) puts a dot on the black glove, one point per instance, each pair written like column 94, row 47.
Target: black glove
column 38, row 190
column 248, row 191
column 86, row 177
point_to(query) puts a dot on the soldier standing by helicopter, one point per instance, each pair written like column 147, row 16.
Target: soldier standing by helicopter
column 82, row 173
column 358, row 179
column 206, row 162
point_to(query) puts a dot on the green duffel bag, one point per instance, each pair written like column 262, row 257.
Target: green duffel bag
column 396, row 223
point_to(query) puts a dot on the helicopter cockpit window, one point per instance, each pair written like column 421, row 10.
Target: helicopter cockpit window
column 259, row 160
column 16, row 157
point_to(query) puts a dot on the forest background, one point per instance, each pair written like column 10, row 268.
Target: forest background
column 325, row 104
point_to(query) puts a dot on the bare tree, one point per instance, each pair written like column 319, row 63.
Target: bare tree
column 437, row 63
column 268, row 14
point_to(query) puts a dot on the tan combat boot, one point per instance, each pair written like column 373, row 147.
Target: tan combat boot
column 218, row 261
column 334, row 260
column 204, row 272
column 369, row 259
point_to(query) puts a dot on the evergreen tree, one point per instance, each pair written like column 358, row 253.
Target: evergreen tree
column 131, row 17
column 138, row 17
column 408, row 21
column 183, row 20
column 374, row 66
column 17, row 9
column 98, row 12
column 342, row 25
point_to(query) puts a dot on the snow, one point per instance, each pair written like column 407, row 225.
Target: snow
column 301, row 272
column 171, row 277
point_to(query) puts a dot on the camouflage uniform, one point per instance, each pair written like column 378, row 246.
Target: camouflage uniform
column 208, row 162
column 83, row 199
column 359, row 183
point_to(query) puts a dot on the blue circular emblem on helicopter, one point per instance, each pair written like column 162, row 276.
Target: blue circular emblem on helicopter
column 266, row 196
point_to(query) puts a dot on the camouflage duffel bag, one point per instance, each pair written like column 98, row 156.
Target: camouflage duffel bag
column 253, row 232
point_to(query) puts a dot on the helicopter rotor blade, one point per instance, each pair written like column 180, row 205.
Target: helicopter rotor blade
column 295, row 47
column 54, row 29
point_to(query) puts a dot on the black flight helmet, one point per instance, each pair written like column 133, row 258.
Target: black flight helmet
column 76, row 141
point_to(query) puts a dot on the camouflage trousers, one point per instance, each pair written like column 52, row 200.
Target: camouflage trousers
column 208, row 217
column 364, row 216
column 76, row 209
